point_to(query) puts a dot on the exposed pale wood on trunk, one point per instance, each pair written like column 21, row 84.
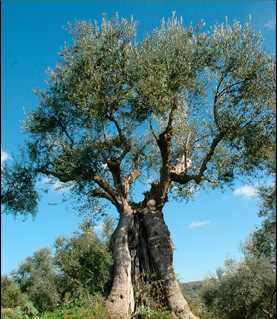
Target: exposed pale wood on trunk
column 121, row 298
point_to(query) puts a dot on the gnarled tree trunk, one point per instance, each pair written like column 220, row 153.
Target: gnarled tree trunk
column 142, row 263
column 121, row 298
column 161, row 250
column 141, row 246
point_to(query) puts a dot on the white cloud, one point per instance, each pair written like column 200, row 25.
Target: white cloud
column 4, row 156
column 198, row 224
column 246, row 191
column 271, row 24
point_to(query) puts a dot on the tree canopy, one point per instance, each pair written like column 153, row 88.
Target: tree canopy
column 181, row 106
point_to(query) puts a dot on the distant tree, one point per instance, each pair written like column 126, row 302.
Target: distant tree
column 37, row 277
column 84, row 261
column 264, row 238
column 108, row 229
column 244, row 290
column 184, row 107
column 11, row 295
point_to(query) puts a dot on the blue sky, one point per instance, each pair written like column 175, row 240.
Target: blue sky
column 204, row 230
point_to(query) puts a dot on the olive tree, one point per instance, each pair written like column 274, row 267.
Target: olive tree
column 184, row 108
column 264, row 237
column 84, row 261
column 37, row 277
column 242, row 290
column 11, row 296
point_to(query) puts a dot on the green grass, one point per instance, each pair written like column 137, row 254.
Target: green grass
column 95, row 307
column 81, row 309
column 76, row 309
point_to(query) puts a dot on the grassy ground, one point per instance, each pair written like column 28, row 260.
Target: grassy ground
column 76, row 309
column 96, row 308
column 79, row 309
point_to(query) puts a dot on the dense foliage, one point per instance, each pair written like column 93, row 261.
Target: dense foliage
column 92, row 308
column 112, row 99
column 11, row 295
column 243, row 290
column 84, row 261
column 80, row 267
column 37, row 277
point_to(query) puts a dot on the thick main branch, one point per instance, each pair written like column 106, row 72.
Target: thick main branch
column 164, row 143
column 105, row 191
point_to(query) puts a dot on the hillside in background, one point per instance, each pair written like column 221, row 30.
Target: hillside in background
column 191, row 290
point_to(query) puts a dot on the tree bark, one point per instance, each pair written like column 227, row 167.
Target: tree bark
column 142, row 263
column 121, row 298
column 142, row 246
column 161, row 249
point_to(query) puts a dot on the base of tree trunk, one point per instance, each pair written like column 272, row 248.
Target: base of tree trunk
column 143, row 270
column 121, row 298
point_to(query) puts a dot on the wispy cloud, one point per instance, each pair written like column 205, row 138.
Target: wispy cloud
column 57, row 185
column 246, row 191
column 199, row 224
column 271, row 24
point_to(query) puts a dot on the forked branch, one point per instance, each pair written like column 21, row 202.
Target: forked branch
column 183, row 179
